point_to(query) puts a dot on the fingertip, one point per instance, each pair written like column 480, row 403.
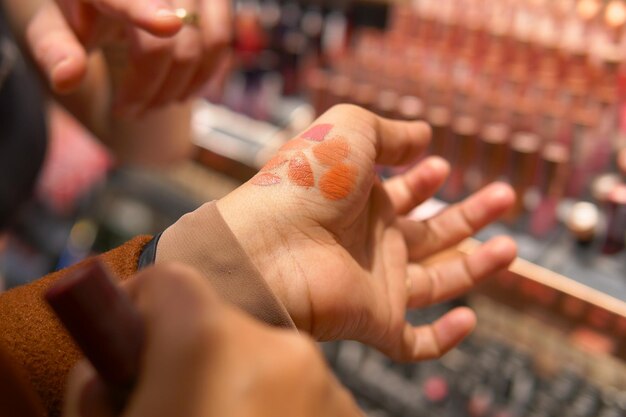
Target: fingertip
column 452, row 328
column 501, row 195
column 438, row 166
column 503, row 248
column 67, row 75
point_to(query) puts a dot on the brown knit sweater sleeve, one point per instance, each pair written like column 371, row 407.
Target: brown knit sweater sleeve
column 32, row 335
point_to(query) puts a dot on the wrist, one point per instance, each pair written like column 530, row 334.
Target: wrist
column 260, row 230
column 203, row 240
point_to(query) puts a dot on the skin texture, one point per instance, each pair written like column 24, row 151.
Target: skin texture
column 203, row 358
column 349, row 268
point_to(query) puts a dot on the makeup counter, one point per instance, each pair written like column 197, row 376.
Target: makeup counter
column 529, row 92
column 526, row 91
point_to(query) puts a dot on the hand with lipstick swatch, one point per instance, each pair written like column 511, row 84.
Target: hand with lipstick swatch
column 335, row 244
column 204, row 358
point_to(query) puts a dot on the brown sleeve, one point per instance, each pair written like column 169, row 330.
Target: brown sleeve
column 33, row 336
column 203, row 240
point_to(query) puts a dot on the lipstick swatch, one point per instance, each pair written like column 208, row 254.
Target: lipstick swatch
column 300, row 172
column 274, row 163
column 318, row 132
column 265, row 178
column 295, row 144
column 333, row 151
column 338, row 182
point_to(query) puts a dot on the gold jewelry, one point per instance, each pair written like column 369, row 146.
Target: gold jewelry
column 188, row 18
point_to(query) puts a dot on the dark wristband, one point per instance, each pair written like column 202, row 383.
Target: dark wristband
column 148, row 254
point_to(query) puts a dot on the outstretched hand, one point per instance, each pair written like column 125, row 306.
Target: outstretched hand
column 335, row 245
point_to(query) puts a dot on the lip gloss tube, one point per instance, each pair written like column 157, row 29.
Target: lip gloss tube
column 465, row 140
column 340, row 87
column 524, row 157
column 554, row 170
column 103, row 322
column 317, row 82
column 616, row 225
column 387, row 103
column 494, row 155
column 582, row 221
column 410, row 108
column 439, row 119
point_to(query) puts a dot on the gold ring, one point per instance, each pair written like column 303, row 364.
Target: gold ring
column 188, row 18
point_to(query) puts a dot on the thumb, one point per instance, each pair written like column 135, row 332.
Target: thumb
column 86, row 395
column 56, row 50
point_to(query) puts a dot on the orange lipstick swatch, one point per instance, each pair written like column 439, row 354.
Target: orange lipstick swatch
column 333, row 151
column 338, row 182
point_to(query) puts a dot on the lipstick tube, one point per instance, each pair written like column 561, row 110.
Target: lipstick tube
column 616, row 220
column 439, row 118
column 103, row 322
column 525, row 148
column 554, row 170
column 464, row 143
column 410, row 108
column 494, row 152
column 582, row 221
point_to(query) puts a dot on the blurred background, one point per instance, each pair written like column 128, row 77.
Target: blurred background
column 526, row 91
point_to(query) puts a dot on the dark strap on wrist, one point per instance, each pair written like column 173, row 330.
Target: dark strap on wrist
column 148, row 254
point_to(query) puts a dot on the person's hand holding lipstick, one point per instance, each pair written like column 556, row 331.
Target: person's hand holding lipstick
column 202, row 358
column 336, row 247
column 159, row 58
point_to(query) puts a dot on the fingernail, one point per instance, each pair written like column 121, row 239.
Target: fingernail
column 165, row 13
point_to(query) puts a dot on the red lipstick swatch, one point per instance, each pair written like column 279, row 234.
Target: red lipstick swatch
column 338, row 182
column 265, row 179
column 300, row 172
column 317, row 132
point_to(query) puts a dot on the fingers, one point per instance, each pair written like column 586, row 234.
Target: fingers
column 408, row 190
column 86, row 395
column 431, row 341
column 155, row 16
column 457, row 222
column 216, row 18
column 185, row 60
column 621, row 160
column 150, row 62
column 400, row 142
column 57, row 51
column 453, row 277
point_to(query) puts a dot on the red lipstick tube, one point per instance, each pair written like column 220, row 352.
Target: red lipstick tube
column 103, row 322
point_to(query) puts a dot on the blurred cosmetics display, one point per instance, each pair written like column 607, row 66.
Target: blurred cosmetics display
column 530, row 92
column 538, row 351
